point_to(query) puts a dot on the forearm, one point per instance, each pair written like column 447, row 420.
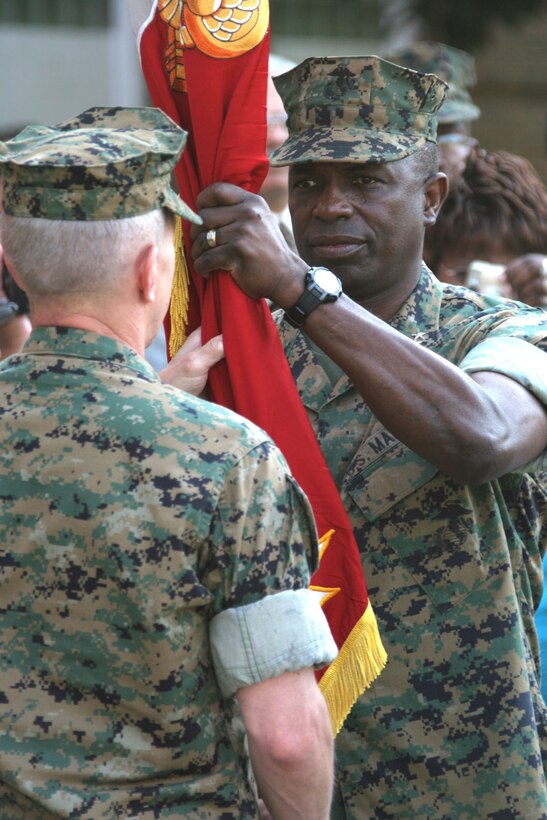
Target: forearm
column 290, row 744
column 430, row 405
column 295, row 791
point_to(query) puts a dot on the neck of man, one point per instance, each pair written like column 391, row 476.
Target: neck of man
column 387, row 303
column 124, row 326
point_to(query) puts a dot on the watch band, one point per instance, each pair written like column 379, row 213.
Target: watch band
column 297, row 314
column 313, row 296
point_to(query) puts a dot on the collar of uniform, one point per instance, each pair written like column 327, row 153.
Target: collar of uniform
column 71, row 342
column 420, row 313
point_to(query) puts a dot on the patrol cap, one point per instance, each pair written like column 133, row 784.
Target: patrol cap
column 356, row 109
column 106, row 163
column 454, row 66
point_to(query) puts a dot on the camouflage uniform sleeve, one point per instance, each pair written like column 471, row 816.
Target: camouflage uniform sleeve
column 518, row 360
column 265, row 539
column 262, row 538
column 512, row 357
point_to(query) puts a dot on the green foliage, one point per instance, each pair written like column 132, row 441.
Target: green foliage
column 468, row 24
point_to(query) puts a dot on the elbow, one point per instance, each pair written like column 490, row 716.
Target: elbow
column 479, row 459
column 290, row 748
column 287, row 754
column 293, row 746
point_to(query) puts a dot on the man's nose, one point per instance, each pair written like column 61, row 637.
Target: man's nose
column 332, row 203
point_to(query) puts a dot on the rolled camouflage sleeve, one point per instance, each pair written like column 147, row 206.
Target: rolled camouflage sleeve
column 518, row 360
column 281, row 633
column 515, row 358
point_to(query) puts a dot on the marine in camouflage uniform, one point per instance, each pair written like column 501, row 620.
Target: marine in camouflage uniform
column 455, row 726
column 454, row 66
column 139, row 528
column 456, row 115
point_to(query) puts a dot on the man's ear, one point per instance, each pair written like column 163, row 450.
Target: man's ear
column 435, row 191
column 146, row 271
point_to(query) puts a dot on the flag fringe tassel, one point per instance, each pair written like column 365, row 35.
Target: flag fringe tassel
column 178, row 309
column 360, row 660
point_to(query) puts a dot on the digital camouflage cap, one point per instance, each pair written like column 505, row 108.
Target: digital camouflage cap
column 360, row 109
column 454, row 66
column 106, row 163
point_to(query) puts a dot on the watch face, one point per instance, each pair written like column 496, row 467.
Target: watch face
column 326, row 280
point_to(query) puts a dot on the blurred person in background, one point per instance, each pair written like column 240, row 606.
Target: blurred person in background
column 458, row 111
column 496, row 212
column 275, row 186
column 487, row 176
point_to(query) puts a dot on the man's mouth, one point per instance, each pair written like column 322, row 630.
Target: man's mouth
column 336, row 247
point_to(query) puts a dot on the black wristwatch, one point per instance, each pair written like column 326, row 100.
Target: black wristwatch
column 322, row 286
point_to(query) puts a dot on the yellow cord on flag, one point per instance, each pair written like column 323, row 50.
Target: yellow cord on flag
column 178, row 310
column 360, row 660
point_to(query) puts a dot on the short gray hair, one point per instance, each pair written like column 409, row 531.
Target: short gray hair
column 54, row 256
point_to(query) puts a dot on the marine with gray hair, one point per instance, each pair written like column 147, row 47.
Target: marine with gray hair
column 155, row 550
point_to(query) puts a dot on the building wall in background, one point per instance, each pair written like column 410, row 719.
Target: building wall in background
column 49, row 72
column 512, row 92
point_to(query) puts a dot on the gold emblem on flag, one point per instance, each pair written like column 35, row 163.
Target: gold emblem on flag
column 218, row 28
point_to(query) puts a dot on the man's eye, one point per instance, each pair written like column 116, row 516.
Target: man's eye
column 303, row 183
column 363, row 179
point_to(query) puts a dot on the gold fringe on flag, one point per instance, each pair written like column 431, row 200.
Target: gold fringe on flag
column 178, row 309
column 360, row 660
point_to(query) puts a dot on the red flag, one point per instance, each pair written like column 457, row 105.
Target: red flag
column 206, row 65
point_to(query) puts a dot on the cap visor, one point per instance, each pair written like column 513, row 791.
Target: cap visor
column 345, row 145
column 178, row 206
column 454, row 111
